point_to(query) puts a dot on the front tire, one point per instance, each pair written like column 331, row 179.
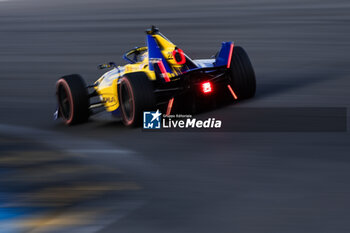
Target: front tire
column 136, row 95
column 241, row 74
column 73, row 99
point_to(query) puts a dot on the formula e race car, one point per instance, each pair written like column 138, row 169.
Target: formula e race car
column 158, row 76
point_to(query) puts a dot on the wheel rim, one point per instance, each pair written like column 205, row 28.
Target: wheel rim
column 127, row 102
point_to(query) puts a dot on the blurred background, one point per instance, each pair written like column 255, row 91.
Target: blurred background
column 103, row 177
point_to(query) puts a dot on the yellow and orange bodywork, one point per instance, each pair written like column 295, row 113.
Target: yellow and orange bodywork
column 106, row 85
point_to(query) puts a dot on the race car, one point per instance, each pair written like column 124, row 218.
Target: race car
column 157, row 76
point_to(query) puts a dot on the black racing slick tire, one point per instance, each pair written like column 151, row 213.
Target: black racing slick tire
column 136, row 95
column 73, row 99
column 241, row 74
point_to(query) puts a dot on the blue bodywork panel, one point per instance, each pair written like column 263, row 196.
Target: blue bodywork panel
column 223, row 57
column 154, row 52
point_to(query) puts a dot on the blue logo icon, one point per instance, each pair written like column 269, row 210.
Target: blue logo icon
column 151, row 120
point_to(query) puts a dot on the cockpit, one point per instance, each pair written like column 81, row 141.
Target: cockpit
column 137, row 54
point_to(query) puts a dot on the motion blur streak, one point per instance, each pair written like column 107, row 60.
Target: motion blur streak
column 173, row 182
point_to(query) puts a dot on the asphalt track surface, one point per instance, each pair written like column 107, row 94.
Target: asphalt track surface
column 174, row 182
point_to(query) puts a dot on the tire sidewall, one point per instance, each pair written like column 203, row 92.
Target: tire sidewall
column 62, row 83
column 125, row 81
column 78, row 98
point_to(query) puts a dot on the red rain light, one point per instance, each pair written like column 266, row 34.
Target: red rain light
column 206, row 87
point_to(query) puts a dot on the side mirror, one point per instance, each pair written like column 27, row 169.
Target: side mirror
column 107, row 65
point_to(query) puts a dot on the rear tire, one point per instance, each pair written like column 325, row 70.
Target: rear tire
column 136, row 95
column 241, row 74
column 73, row 99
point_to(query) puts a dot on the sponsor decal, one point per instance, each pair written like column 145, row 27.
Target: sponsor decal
column 109, row 99
column 169, row 56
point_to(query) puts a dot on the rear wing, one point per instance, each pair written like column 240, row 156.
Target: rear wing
column 168, row 61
